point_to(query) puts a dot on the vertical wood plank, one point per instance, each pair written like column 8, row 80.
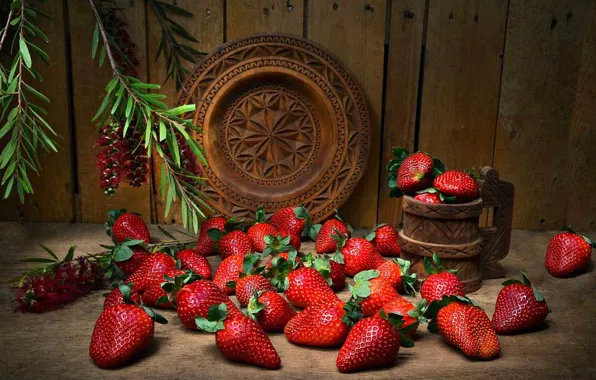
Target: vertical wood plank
column 581, row 207
column 462, row 73
column 259, row 16
column 401, row 96
column 355, row 31
column 207, row 26
column 541, row 66
column 53, row 197
column 89, row 83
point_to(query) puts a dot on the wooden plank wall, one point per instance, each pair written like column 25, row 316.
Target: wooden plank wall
column 508, row 83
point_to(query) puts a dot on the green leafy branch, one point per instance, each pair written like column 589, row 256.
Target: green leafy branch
column 173, row 51
column 127, row 98
column 20, row 118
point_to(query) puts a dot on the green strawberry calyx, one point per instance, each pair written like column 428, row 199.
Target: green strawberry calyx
column 321, row 264
column 371, row 236
column 233, row 224
column 172, row 285
column 126, row 291
column 435, row 267
column 408, row 279
column 419, row 311
column 260, row 215
column 433, row 309
column 340, row 239
column 254, row 305
column 215, row 318
column 280, row 268
column 113, row 215
column 249, row 265
column 397, row 321
column 353, row 313
column 277, row 244
column 361, row 288
column 539, row 297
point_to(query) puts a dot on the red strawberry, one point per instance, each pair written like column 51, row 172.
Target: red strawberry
column 427, row 197
column 324, row 242
column 156, row 296
column 291, row 219
column 415, row 172
column 191, row 259
column 139, row 255
column 466, row 326
column 319, row 325
column 239, row 338
column 271, row 310
column 567, row 254
column 235, row 243
column 251, row 280
column 332, row 268
column 120, row 333
column 397, row 273
column 151, row 271
column 123, row 225
column 519, row 307
column 295, row 240
column 116, row 298
column 229, row 271
column 260, row 229
column 372, row 342
column 194, row 300
column 440, row 282
column 306, row 286
column 359, row 255
column 454, row 183
column 372, row 292
column 412, row 314
column 386, row 239
column 205, row 244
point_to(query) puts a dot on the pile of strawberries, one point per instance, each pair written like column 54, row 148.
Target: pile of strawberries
column 426, row 179
column 279, row 289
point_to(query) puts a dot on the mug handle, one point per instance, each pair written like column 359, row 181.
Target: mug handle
column 499, row 195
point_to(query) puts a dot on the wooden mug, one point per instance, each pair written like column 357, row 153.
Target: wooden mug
column 453, row 232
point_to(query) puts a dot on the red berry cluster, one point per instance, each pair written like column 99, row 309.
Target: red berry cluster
column 50, row 290
column 121, row 156
column 116, row 26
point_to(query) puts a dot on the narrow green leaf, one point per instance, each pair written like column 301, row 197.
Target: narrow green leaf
column 95, row 42
column 102, row 55
column 25, row 52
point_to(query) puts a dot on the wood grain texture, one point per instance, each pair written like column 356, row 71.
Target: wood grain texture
column 89, row 83
column 207, row 26
column 461, row 81
column 542, row 62
column 53, row 196
column 354, row 31
column 245, row 17
column 401, row 96
column 581, row 148
column 564, row 349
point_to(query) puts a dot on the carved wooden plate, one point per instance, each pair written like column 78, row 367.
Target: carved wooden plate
column 283, row 124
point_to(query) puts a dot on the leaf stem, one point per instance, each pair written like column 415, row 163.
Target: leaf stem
column 5, row 30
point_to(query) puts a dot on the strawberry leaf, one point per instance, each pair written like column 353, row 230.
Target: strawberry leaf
column 366, row 275
column 525, row 279
column 371, row 236
column 313, row 231
column 438, row 166
column 122, row 253
column 538, row 295
column 260, row 215
column 301, row 212
column 215, row 234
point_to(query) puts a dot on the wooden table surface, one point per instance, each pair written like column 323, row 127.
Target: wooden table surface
column 55, row 344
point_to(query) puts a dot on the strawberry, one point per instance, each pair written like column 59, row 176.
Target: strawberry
column 412, row 314
column 567, row 254
column 291, row 219
column 440, row 282
column 519, row 307
column 372, row 342
column 397, row 273
column 251, row 280
column 239, row 338
column 324, row 242
column 139, row 255
column 116, row 297
column 194, row 300
column 228, row 271
column 235, row 243
column 272, row 268
column 359, row 255
column 156, row 295
column 259, row 230
column 121, row 332
column 123, row 225
column 319, row 325
column 331, row 268
column 295, row 240
column 386, row 239
column 205, row 244
column 454, row 183
column 427, row 197
column 372, row 292
column 191, row 259
column 306, row 286
column 464, row 325
column 270, row 310
column 151, row 271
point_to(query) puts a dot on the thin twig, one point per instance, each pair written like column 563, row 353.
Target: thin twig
column 5, row 32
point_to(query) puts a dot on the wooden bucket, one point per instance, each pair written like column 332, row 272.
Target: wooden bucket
column 453, row 232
